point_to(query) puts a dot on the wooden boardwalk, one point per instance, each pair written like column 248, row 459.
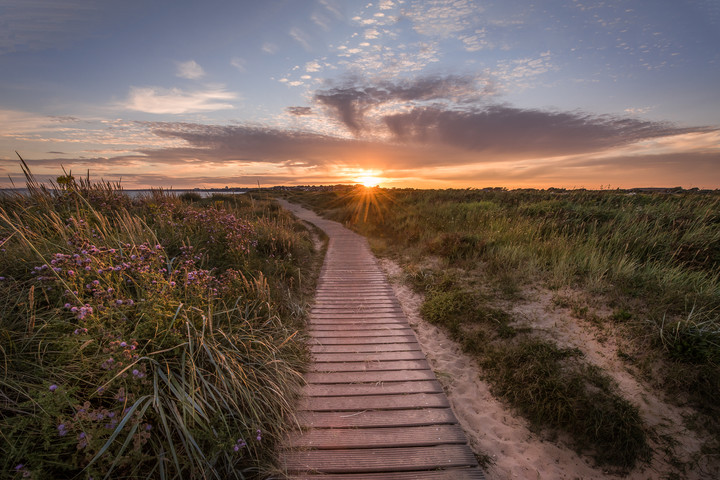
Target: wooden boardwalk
column 372, row 408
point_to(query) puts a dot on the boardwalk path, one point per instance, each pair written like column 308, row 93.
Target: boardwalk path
column 372, row 407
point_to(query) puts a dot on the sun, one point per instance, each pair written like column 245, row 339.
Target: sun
column 369, row 181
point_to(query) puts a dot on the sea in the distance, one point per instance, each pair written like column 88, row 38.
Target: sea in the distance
column 138, row 193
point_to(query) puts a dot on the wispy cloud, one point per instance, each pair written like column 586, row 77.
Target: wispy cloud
column 301, row 37
column 238, row 63
column 299, row 111
column 176, row 101
column 190, row 70
column 269, row 47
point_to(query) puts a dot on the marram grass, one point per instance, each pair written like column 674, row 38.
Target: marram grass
column 146, row 338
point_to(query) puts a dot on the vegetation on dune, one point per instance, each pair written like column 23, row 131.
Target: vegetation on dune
column 653, row 258
column 154, row 337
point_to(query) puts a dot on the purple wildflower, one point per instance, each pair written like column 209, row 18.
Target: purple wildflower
column 53, row 387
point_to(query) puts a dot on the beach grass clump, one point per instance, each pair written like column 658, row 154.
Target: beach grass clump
column 149, row 339
column 552, row 387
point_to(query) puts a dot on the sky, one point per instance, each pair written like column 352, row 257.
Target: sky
column 423, row 94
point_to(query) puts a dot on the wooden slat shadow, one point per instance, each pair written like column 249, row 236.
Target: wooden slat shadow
column 372, row 408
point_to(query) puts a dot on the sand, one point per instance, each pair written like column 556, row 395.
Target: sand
column 492, row 427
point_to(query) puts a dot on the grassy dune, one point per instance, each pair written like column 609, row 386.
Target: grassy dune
column 147, row 338
column 651, row 260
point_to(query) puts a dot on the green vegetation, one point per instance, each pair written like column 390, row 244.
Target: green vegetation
column 652, row 259
column 154, row 337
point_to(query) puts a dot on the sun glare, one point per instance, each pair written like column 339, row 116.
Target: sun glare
column 369, row 181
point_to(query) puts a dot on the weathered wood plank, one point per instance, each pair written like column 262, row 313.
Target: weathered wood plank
column 369, row 366
column 390, row 437
column 368, row 331
column 359, row 320
column 379, row 459
column 369, row 377
column 447, row 474
column 370, row 357
column 390, row 347
column 374, row 402
column 377, row 339
column 376, row 418
column 359, row 315
column 385, row 388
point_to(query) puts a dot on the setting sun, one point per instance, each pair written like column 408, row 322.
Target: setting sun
column 369, row 181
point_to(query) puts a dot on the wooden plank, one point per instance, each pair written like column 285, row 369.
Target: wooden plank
column 366, row 331
column 389, row 347
column 378, row 317
column 391, row 437
column 346, row 303
column 369, row 377
column 446, row 474
column 347, row 390
column 374, row 402
column 384, row 297
column 369, row 357
column 351, row 311
column 365, row 339
column 363, row 320
column 369, row 366
column 376, row 418
column 379, row 459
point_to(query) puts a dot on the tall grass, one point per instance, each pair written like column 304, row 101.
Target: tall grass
column 147, row 338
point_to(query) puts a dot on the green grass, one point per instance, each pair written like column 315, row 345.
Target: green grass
column 155, row 337
column 652, row 259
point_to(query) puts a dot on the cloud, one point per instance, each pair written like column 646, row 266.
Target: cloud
column 442, row 18
column 350, row 104
column 238, row 63
column 190, row 70
column 301, row 37
column 269, row 47
column 333, row 7
column 176, row 101
column 313, row 66
column 299, row 111
column 507, row 132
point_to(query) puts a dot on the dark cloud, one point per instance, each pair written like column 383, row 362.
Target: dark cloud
column 693, row 169
column 503, row 130
column 299, row 111
column 350, row 103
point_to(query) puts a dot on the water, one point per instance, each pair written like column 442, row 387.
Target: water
column 138, row 193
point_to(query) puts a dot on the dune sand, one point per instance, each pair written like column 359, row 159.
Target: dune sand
column 516, row 452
